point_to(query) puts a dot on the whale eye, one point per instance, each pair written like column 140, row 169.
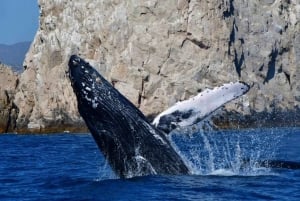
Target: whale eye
column 74, row 63
column 74, row 60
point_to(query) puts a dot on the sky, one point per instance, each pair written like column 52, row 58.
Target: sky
column 18, row 20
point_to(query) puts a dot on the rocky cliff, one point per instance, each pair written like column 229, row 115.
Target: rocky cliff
column 8, row 110
column 159, row 52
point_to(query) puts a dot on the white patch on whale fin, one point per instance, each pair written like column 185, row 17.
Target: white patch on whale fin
column 193, row 110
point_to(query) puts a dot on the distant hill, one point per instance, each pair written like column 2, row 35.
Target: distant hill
column 13, row 55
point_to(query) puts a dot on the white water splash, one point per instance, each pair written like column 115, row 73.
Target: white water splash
column 235, row 153
column 105, row 172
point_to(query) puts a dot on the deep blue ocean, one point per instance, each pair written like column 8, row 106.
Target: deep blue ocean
column 224, row 164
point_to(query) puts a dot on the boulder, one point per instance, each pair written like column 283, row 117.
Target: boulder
column 8, row 110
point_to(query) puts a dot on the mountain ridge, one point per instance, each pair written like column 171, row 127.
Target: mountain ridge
column 13, row 55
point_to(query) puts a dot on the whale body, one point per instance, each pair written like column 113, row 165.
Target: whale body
column 132, row 146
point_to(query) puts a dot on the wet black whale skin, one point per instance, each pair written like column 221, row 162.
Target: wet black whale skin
column 129, row 142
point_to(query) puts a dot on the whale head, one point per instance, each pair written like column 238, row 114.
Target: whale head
column 88, row 85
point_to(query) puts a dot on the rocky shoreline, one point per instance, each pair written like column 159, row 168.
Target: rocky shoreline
column 224, row 119
column 230, row 121
column 234, row 120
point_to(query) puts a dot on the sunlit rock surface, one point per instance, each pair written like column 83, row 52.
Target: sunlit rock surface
column 159, row 52
column 8, row 110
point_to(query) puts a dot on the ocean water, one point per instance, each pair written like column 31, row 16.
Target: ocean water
column 224, row 166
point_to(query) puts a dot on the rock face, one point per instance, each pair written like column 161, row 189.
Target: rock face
column 159, row 52
column 8, row 110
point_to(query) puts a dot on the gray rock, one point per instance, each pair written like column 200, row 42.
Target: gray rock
column 8, row 110
column 160, row 52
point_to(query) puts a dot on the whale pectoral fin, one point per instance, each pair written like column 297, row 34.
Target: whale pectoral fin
column 195, row 109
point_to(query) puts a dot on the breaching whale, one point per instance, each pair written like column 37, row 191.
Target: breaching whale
column 131, row 144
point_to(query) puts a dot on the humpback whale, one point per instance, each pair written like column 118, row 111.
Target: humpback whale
column 132, row 146
column 130, row 143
